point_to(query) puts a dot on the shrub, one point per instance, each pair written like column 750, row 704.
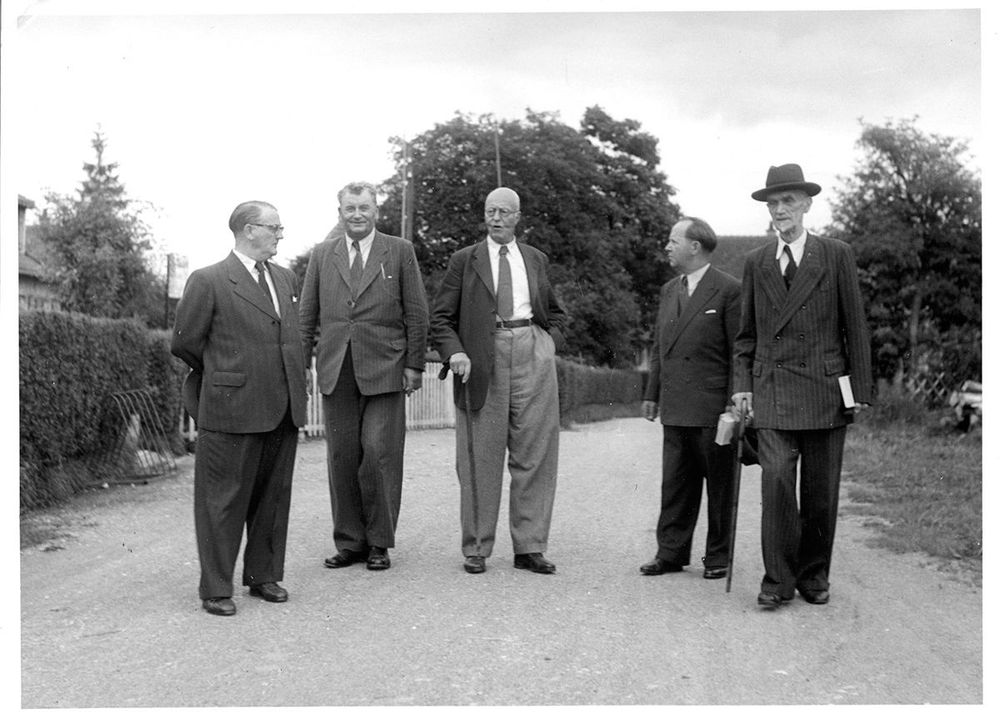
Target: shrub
column 589, row 393
column 70, row 365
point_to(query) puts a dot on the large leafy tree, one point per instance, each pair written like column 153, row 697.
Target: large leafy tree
column 98, row 243
column 591, row 198
column 913, row 212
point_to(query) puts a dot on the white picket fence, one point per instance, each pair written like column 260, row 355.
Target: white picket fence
column 430, row 407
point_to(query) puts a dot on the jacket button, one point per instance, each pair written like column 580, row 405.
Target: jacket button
column 778, row 365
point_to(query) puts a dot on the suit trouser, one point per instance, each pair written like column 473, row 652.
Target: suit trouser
column 242, row 480
column 520, row 418
column 364, row 442
column 797, row 537
column 691, row 455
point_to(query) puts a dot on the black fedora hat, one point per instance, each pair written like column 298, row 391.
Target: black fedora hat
column 785, row 178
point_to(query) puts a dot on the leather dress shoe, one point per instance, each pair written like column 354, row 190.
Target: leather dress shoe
column 815, row 597
column 659, row 566
column 714, row 572
column 535, row 562
column 219, row 605
column 270, row 591
column 378, row 559
column 345, row 558
column 474, row 564
column 771, row 600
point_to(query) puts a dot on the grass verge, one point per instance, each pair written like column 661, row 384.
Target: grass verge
column 921, row 484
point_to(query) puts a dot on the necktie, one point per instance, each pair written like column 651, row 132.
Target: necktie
column 505, row 288
column 682, row 297
column 262, row 280
column 356, row 268
column 790, row 267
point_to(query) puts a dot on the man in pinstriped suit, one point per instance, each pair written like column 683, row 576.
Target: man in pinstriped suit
column 237, row 328
column 802, row 328
column 364, row 312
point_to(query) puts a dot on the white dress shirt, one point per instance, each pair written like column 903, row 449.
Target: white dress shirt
column 364, row 244
column 252, row 268
column 518, row 276
column 694, row 277
column 798, row 247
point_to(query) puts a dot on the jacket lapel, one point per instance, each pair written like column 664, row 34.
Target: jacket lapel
column 704, row 292
column 246, row 286
column 809, row 273
column 341, row 260
column 376, row 261
column 770, row 275
column 481, row 265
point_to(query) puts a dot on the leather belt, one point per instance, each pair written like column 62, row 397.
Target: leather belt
column 513, row 324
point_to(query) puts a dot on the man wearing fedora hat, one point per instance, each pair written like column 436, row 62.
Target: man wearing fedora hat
column 802, row 362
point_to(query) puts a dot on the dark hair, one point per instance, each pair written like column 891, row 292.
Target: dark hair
column 357, row 188
column 701, row 232
column 247, row 212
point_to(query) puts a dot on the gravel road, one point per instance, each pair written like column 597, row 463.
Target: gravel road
column 110, row 615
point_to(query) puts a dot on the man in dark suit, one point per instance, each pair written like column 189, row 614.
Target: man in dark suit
column 803, row 365
column 497, row 324
column 364, row 312
column 237, row 328
column 689, row 386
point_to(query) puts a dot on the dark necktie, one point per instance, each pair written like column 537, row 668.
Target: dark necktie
column 505, row 287
column 790, row 268
column 356, row 268
column 682, row 297
column 262, row 280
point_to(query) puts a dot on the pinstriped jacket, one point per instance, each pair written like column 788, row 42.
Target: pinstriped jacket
column 691, row 360
column 246, row 359
column 795, row 343
column 386, row 326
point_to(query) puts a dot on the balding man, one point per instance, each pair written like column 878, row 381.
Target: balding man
column 497, row 324
column 689, row 386
column 237, row 328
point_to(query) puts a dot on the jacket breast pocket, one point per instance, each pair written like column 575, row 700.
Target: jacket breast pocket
column 757, row 369
column 229, row 379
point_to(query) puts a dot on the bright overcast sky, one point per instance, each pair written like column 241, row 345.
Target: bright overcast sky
column 204, row 111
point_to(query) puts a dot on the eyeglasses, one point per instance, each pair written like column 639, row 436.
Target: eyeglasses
column 275, row 228
column 504, row 213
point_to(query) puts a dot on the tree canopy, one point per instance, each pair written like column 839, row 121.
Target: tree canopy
column 591, row 198
column 913, row 212
column 98, row 242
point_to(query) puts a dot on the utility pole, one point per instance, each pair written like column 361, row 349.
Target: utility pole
column 406, row 219
column 496, row 145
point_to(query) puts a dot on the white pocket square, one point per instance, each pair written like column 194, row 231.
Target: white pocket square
column 711, row 311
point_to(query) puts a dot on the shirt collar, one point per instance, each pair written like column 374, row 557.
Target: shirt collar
column 797, row 245
column 365, row 243
column 246, row 260
column 695, row 276
column 494, row 247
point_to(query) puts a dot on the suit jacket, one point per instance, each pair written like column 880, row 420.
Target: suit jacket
column 465, row 313
column 386, row 326
column 691, row 363
column 246, row 359
column 795, row 343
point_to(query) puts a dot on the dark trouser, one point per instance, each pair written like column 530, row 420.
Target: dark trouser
column 364, row 443
column 242, row 480
column 797, row 536
column 691, row 455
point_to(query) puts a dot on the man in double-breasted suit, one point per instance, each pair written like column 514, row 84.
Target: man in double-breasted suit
column 237, row 328
column 803, row 364
column 689, row 386
column 497, row 323
column 364, row 314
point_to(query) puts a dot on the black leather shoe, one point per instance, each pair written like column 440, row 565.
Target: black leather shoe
column 378, row 559
column 474, row 564
column 714, row 572
column 345, row 558
column 219, row 605
column 815, row 597
column 270, row 591
column 535, row 562
column 659, row 566
column 771, row 600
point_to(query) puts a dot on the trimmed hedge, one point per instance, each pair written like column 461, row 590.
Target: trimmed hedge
column 70, row 364
column 588, row 394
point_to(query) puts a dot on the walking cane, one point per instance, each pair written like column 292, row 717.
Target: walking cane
column 472, row 466
column 472, row 456
column 737, row 471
